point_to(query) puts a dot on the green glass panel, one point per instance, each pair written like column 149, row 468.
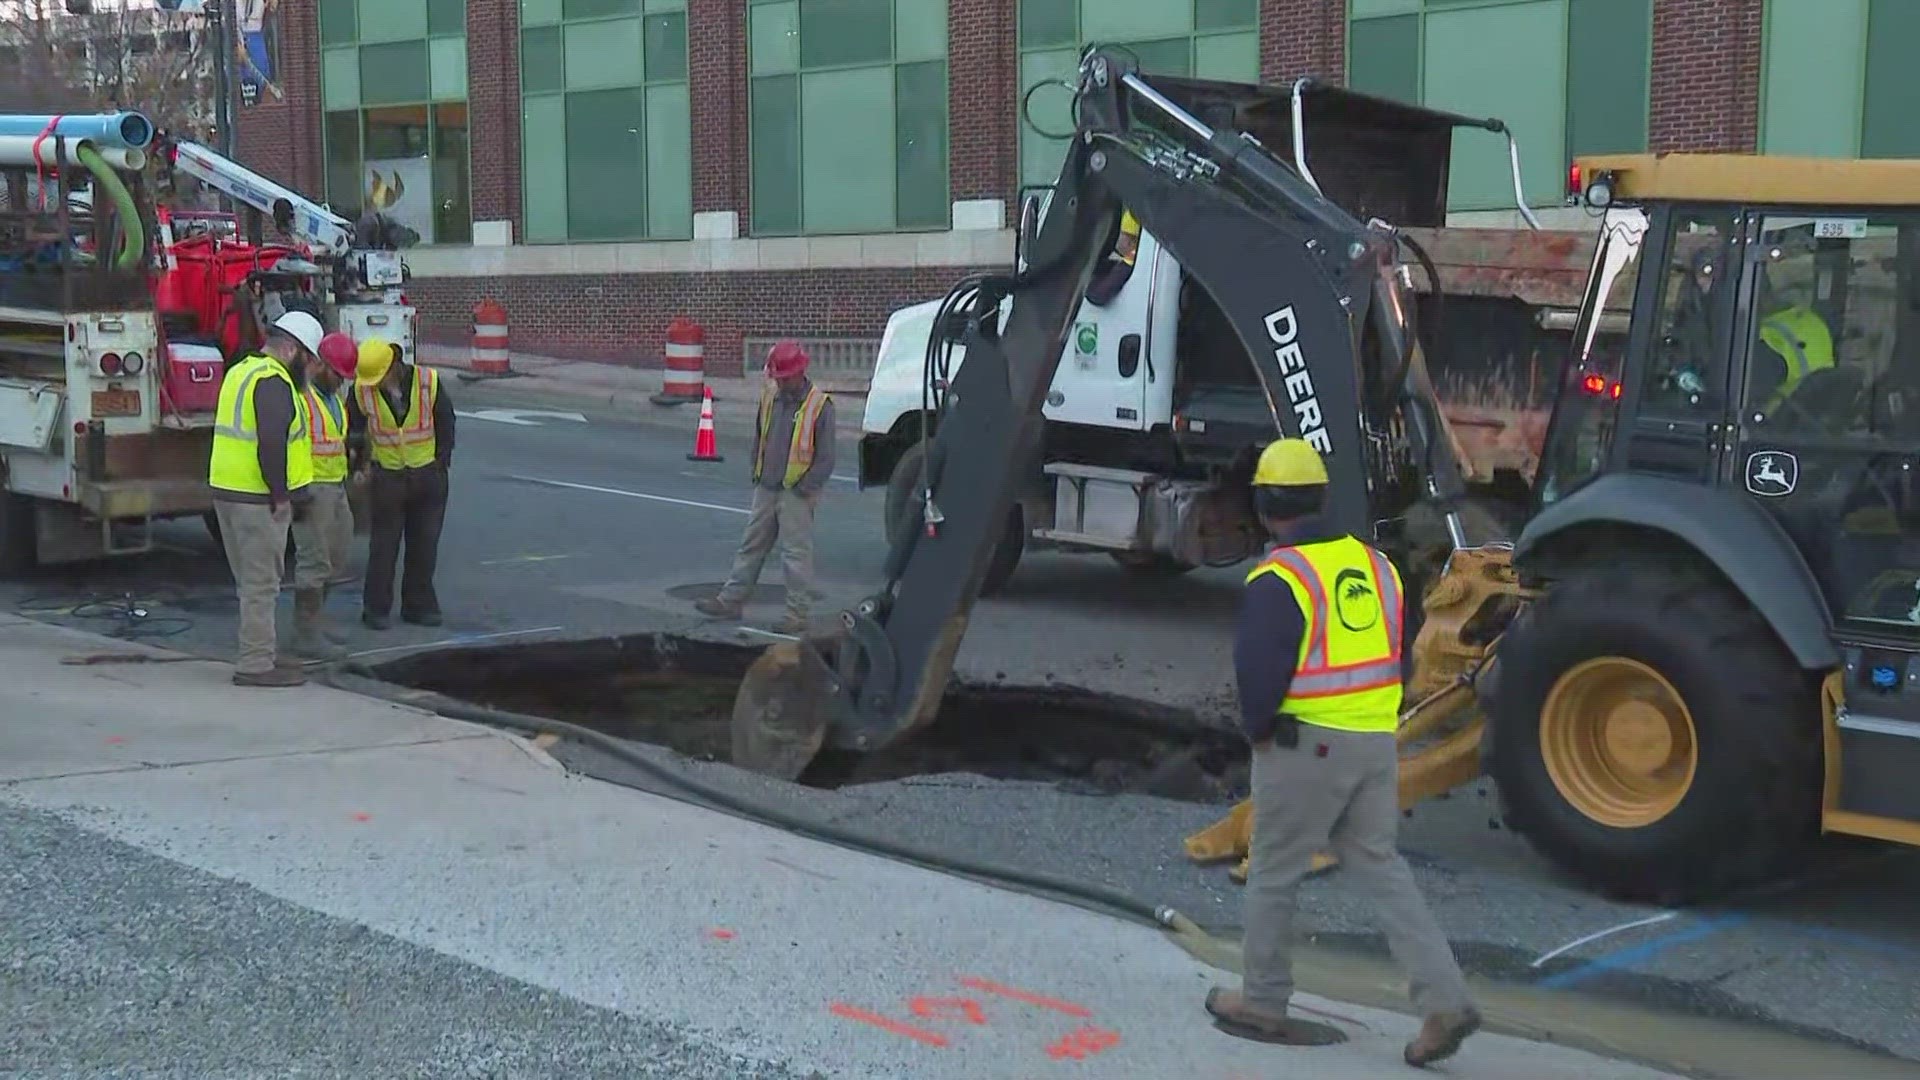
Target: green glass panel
column 1363, row 9
column 396, row 133
column 446, row 16
column 666, row 47
column 920, row 30
column 539, row 12
column 603, row 53
column 340, row 78
column 540, row 60
column 447, row 67
column 1051, row 109
column 1048, row 22
column 338, row 22
column 774, row 39
column 1527, row 89
column 776, row 155
column 1383, row 57
column 920, row 144
column 836, row 32
column 343, row 163
column 1607, row 76
column 666, row 5
column 846, row 150
column 1229, row 57
column 669, row 162
column 395, row 73
column 1890, row 126
column 392, row 20
column 594, row 9
column 606, row 165
column 1225, row 14
column 1134, row 20
column 1173, row 56
column 543, row 141
column 452, row 191
column 1812, row 85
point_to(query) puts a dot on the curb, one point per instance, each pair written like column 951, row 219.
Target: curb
column 634, row 405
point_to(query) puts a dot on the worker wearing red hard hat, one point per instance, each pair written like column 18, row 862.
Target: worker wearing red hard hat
column 323, row 536
column 792, row 462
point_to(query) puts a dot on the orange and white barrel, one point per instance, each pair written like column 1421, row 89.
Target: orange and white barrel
column 686, row 377
column 491, row 345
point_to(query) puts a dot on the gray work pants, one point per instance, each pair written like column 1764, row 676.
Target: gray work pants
column 786, row 516
column 1348, row 798
column 323, row 541
column 255, row 536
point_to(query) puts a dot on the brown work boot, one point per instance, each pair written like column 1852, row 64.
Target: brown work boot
column 1235, row 1016
column 793, row 625
column 715, row 608
column 279, row 676
column 309, row 638
column 1440, row 1037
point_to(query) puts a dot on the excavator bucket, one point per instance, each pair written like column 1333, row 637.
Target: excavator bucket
column 783, row 710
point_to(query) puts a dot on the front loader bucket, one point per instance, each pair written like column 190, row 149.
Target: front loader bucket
column 783, row 710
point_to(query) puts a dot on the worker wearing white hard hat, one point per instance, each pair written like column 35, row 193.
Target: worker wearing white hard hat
column 262, row 464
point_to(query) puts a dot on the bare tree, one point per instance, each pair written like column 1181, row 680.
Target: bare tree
column 113, row 54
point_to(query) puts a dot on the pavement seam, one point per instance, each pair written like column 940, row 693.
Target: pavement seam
column 287, row 755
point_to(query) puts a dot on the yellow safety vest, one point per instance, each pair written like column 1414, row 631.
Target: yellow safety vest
column 800, row 451
column 397, row 446
column 327, row 419
column 1129, row 229
column 1802, row 339
column 235, row 465
column 1347, row 675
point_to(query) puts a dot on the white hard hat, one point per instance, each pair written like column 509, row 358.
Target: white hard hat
column 302, row 328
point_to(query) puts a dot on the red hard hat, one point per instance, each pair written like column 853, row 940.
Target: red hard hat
column 786, row 360
column 338, row 352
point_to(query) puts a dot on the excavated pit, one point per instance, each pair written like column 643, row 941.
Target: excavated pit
column 678, row 692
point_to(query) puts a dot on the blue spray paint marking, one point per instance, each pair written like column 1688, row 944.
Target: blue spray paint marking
column 1620, row 959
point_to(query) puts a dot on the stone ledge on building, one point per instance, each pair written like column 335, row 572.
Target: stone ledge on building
column 958, row 248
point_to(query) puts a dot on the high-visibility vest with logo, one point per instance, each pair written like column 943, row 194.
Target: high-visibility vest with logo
column 235, row 465
column 1802, row 339
column 800, row 450
column 1347, row 674
column 1129, row 229
column 327, row 419
column 403, row 446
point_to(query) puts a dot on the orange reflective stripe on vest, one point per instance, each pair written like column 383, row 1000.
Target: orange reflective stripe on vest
column 396, row 445
column 1348, row 670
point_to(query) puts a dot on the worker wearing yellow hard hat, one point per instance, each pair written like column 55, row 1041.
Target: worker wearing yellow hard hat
column 1317, row 662
column 408, row 419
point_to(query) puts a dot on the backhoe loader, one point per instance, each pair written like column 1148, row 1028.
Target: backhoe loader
column 1703, row 647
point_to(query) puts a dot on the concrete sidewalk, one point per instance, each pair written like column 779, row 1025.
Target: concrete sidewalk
column 478, row 846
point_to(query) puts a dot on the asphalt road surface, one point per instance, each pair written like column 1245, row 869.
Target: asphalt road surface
column 569, row 525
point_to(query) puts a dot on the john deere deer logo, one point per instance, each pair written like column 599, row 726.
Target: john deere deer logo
column 1354, row 600
column 383, row 193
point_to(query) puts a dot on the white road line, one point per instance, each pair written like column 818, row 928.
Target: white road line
column 633, row 494
column 459, row 640
column 846, row 479
column 1651, row 920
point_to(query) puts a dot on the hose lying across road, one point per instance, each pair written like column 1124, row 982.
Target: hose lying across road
column 360, row 679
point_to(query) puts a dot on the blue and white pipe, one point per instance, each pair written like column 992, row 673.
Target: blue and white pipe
column 121, row 130
column 18, row 151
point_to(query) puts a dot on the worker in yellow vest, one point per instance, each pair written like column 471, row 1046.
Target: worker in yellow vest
column 1118, row 269
column 261, row 467
column 408, row 421
column 323, row 536
column 1317, row 658
column 792, row 462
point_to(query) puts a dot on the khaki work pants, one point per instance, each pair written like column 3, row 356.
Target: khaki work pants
column 1346, row 796
column 255, row 536
column 323, row 539
column 785, row 516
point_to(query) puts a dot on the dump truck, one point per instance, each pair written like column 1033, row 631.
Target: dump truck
column 1699, row 648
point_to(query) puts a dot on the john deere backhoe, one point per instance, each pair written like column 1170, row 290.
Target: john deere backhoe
column 1703, row 647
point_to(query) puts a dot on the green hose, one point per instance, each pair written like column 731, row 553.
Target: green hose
column 133, row 231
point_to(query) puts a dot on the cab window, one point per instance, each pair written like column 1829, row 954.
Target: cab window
column 1589, row 399
column 1685, row 374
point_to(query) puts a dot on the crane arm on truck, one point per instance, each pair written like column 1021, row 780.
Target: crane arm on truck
column 323, row 231
column 1314, row 296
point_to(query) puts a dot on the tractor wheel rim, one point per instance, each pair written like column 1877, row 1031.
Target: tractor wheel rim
column 1619, row 742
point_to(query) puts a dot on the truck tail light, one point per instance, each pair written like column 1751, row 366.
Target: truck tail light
column 1575, row 182
column 133, row 363
column 110, row 364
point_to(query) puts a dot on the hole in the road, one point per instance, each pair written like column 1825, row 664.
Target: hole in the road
column 678, row 692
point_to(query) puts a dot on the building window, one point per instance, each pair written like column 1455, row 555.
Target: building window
column 1560, row 101
column 849, row 115
column 393, row 82
column 606, row 137
column 1840, row 80
column 1207, row 39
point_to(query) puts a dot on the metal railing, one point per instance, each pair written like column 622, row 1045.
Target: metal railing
column 840, row 364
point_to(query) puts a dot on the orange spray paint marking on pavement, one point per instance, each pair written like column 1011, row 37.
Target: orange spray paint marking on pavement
column 363, row 817
column 722, row 935
column 1083, row 1044
column 933, row 1008
column 115, row 740
column 1025, row 998
column 918, row 1035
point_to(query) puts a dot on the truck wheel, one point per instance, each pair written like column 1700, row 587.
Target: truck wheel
column 1150, row 562
column 19, row 540
column 903, row 512
column 1652, row 737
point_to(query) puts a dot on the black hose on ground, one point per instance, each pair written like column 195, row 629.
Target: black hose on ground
column 360, row 679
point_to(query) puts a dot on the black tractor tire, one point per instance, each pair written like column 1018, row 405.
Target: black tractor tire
column 19, row 537
column 1754, row 797
column 904, row 509
column 1152, row 562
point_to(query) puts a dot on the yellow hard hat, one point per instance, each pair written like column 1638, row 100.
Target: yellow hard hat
column 1289, row 463
column 376, row 356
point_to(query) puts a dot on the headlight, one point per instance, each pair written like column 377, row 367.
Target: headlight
column 133, row 363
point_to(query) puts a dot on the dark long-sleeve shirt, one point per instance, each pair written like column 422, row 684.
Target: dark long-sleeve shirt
column 273, row 415
column 1266, row 642
column 772, row 452
column 402, row 406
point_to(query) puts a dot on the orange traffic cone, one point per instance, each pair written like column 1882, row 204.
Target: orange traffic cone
column 704, row 447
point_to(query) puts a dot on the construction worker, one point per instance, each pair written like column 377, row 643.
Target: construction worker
column 323, row 537
column 1317, row 659
column 792, row 462
column 261, row 467
column 408, row 420
column 1113, row 277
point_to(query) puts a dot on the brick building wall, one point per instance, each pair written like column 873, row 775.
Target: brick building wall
column 983, row 75
column 1706, row 75
column 717, row 88
column 1303, row 37
column 493, row 109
